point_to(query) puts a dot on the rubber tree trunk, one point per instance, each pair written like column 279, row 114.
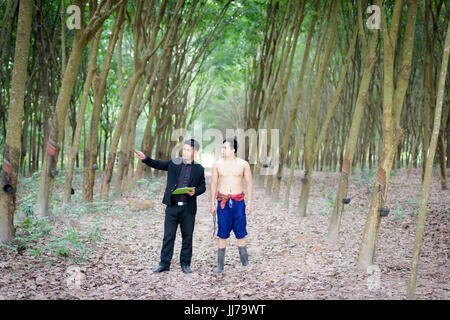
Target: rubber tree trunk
column 310, row 133
column 337, row 94
column 139, row 67
column 281, row 92
column 420, row 226
column 126, row 151
column 118, row 132
column 80, row 119
column 273, row 94
column 441, row 145
column 369, row 66
column 53, row 146
column 392, row 133
column 100, row 89
column 295, row 155
column 413, row 153
column 294, row 109
column 428, row 80
column 56, row 128
column 11, row 153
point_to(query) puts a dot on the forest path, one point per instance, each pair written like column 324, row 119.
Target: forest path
column 289, row 257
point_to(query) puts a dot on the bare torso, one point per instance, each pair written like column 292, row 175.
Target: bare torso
column 230, row 174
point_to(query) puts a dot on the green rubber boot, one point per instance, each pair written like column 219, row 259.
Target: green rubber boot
column 243, row 255
column 220, row 260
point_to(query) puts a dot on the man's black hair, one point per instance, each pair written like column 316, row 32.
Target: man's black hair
column 233, row 143
column 193, row 143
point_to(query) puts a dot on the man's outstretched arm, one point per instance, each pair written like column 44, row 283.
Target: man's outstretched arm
column 157, row 164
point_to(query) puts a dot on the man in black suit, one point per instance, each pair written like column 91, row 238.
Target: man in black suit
column 181, row 209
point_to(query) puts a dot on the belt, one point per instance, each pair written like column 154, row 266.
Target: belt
column 180, row 203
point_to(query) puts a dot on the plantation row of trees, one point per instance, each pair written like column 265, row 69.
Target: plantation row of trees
column 341, row 94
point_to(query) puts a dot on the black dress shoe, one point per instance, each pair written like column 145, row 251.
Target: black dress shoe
column 186, row 269
column 160, row 269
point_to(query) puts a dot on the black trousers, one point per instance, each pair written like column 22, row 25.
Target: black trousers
column 177, row 215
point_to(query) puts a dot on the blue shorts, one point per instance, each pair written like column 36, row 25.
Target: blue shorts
column 233, row 218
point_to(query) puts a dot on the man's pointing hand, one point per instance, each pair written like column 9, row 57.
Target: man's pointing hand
column 140, row 155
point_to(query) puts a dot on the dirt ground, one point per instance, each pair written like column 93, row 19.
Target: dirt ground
column 289, row 256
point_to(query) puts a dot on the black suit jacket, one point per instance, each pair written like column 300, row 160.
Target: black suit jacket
column 196, row 179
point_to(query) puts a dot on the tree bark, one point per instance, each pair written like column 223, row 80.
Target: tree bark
column 139, row 68
column 392, row 133
column 369, row 66
column 295, row 154
column 49, row 171
column 310, row 133
column 11, row 154
column 92, row 151
column 80, row 119
column 420, row 226
column 294, row 108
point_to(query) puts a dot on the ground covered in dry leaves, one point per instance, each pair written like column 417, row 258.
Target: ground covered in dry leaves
column 108, row 250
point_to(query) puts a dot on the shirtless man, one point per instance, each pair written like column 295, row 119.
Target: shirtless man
column 231, row 208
